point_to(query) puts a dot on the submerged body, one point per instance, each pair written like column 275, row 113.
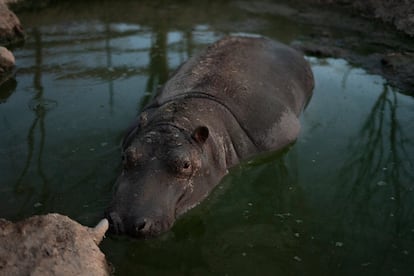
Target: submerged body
column 240, row 97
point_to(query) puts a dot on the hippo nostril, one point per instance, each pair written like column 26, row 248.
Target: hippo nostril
column 143, row 227
column 116, row 225
column 139, row 226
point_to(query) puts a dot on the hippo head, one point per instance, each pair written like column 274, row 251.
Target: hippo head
column 165, row 172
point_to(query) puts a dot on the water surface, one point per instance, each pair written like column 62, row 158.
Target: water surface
column 339, row 201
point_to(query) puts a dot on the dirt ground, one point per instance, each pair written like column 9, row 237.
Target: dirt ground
column 399, row 13
column 374, row 35
column 377, row 35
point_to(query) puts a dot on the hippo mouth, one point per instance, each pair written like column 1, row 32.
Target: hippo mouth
column 137, row 227
column 116, row 225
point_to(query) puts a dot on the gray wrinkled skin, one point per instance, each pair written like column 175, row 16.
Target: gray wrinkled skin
column 240, row 97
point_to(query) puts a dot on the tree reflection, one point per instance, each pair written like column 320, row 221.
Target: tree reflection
column 108, row 51
column 377, row 180
column 158, row 65
column 380, row 147
column 39, row 105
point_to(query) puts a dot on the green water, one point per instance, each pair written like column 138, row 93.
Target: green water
column 340, row 201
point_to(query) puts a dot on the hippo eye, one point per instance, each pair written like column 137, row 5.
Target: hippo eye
column 126, row 165
column 185, row 167
column 182, row 166
column 131, row 158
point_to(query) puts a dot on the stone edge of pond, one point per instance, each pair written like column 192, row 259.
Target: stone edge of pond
column 52, row 244
column 11, row 34
column 390, row 59
column 338, row 29
column 398, row 13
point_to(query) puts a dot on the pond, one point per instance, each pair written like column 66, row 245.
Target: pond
column 339, row 201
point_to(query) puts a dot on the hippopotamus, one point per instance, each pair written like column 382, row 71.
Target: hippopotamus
column 239, row 97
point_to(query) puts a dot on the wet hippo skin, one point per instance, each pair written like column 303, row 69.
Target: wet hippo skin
column 239, row 97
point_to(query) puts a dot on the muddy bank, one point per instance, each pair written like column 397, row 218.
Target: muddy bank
column 367, row 43
column 396, row 66
column 390, row 54
column 338, row 30
column 398, row 13
column 52, row 244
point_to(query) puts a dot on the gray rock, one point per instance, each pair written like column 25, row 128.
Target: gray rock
column 7, row 63
column 51, row 244
column 6, row 59
column 11, row 31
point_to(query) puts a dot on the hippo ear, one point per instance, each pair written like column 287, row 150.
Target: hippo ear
column 200, row 134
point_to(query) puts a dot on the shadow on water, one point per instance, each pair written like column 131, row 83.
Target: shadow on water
column 6, row 89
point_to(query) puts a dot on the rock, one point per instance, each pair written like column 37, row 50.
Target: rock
column 399, row 13
column 11, row 31
column 19, row 5
column 7, row 63
column 51, row 244
column 6, row 59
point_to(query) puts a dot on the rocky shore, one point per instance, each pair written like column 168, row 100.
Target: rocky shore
column 51, row 244
column 398, row 13
column 11, row 33
column 391, row 45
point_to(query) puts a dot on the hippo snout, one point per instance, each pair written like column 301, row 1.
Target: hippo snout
column 137, row 227
column 145, row 227
column 116, row 225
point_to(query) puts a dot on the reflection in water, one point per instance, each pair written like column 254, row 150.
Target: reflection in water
column 357, row 170
column 158, row 64
column 379, row 158
column 109, row 65
column 188, row 39
column 379, row 165
column 40, row 107
column 6, row 89
column 375, row 187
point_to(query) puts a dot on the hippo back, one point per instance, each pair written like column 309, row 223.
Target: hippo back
column 263, row 83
